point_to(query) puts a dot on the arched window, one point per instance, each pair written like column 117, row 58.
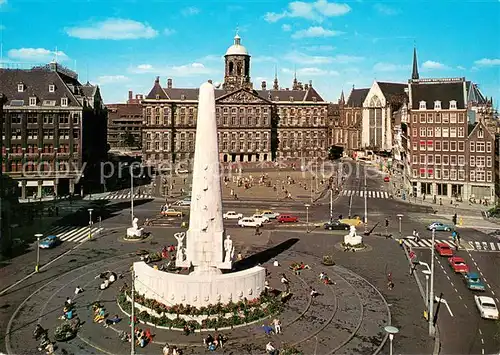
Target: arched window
column 375, row 102
column 238, row 70
column 231, row 68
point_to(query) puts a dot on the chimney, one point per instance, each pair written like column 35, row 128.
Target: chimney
column 310, row 83
column 130, row 95
column 169, row 83
column 306, row 86
column 264, row 85
column 210, row 81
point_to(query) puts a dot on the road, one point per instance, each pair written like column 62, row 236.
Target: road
column 465, row 332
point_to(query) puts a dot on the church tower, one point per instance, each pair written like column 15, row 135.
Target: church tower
column 414, row 73
column 237, row 67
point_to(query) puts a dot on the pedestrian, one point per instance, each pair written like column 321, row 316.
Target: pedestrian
column 285, row 282
column 257, row 230
column 277, row 326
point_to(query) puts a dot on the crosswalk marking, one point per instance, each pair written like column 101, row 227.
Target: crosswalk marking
column 72, row 233
column 473, row 245
column 124, row 197
column 368, row 194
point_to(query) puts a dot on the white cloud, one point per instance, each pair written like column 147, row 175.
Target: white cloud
column 460, row 67
column 385, row 10
column 315, row 31
column 315, row 11
column 302, row 58
column 211, row 58
column 264, row 58
column 487, row 62
column 320, row 48
column 108, row 79
column 113, row 29
column 311, row 71
column 36, row 54
column 190, row 11
column 191, row 69
column 285, row 27
column 388, row 67
column 430, row 64
column 144, row 67
column 169, row 31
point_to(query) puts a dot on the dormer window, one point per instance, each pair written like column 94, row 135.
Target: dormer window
column 315, row 99
column 437, row 105
column 480, row 133
column 291, row 98
column 453, row 105
column 64, row 101
column 423, row 106
column 32, row 101
column 52, row 88
column 157, row 97
column 183, row 97
column 20, row 87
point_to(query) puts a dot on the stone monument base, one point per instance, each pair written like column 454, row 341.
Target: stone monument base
column 135, row 233
column 199, row 290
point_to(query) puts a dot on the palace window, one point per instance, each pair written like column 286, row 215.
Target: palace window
column 64, row 101
column 422, row 106
column 488, row 147
column 32, row 101
column 480, row 133
column 437, row 105
column 453, row 105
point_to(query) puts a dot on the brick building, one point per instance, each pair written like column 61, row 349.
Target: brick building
column 125, row 124
column 52, row 125
column 449, row 155
column 253, row 124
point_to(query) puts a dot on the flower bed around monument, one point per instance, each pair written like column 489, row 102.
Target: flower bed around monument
column 209, row 317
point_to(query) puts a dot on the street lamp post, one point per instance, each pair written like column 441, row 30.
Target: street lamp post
column 90, row 222
column 366, row 207
column 307, row 216
column 427, row 274
column 37, row 266
column 131, row 194
column 431, row 291
column 400, row 233
column 391, row 331
column 331, row 204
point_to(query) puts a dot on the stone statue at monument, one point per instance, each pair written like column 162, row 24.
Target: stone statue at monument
column 135, row 231
column 352, row 238
column 205, row 236
column 180, row 245
column 228, row 249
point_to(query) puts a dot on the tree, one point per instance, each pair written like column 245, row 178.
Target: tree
column 335, row 152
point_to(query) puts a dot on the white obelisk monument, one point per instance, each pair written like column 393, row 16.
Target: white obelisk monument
column 205, row 236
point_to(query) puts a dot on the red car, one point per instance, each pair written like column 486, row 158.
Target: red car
column 458, row 264
column 286, row 218
column 387, row 179
column 443, row 249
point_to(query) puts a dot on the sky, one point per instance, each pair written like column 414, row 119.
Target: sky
column 123, row 45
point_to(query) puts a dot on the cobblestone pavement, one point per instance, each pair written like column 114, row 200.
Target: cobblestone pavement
column 347, row 317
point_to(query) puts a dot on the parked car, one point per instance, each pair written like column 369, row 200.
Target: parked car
column 183, row 203
column 438, row 226
column 458, row 264
column 232, row 215
column 336, row 225
column 486, row 307
column 270, row 214
column 287, row 218
column 356, row 221
column 443, row 249
column 473, row 281
column 249, row 222
column 387, row 179
column 170, row 212
column 262, row 219
column 49, row 242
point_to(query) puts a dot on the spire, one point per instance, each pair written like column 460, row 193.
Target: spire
column 295, row 85
column 414, row 74
column 276, row 84
column 342, row 98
